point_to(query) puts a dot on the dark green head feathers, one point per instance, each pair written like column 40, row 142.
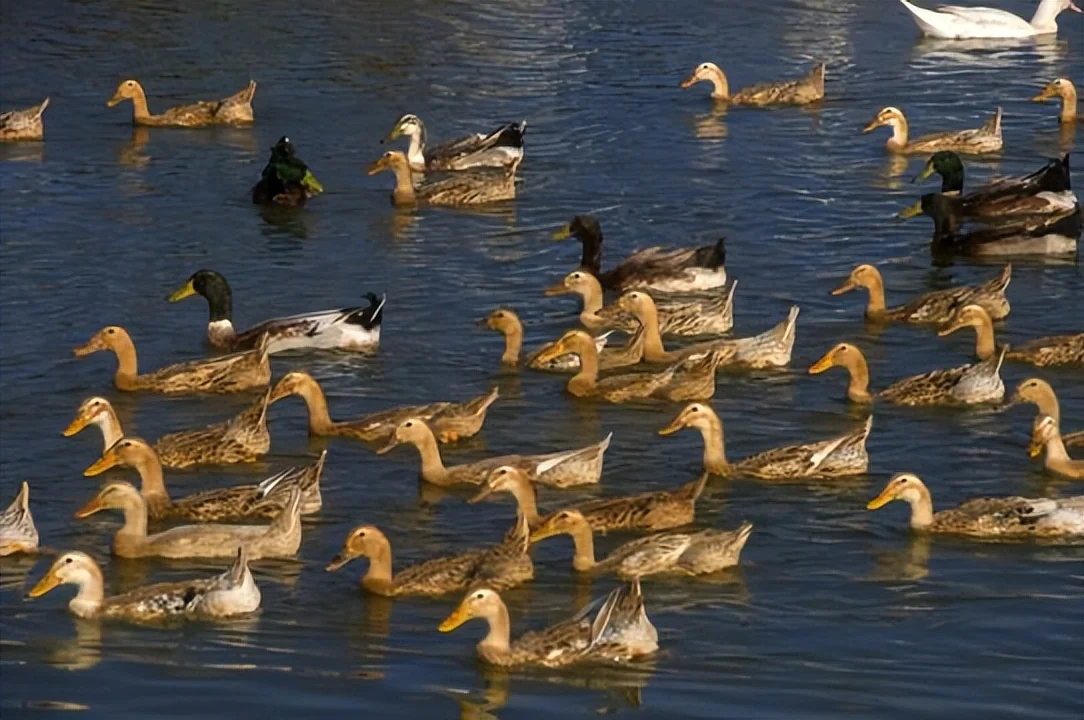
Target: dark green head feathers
column 286, row 179
column 948, row 165
column 214, row 288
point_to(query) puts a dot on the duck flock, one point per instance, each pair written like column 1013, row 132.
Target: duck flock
column 653, row 330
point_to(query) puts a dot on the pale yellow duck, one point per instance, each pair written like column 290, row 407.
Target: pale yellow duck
column 18, row 534
column 280, row 539
column 1040, row 393
column 986, row 139
column 469, row 187
column 1064, row 89
column 241, row 439
column 234, row 110
column 934, row 307
column 240, row 501
column 226, row 374
column 1042, row 352
column 620, row 631
column 1002, row 517
column 697, row 552
column 966, row 384
column 450, row 421
column 1046, row 435
column 568, row 468
column 840, row 456
column 793, row 92
column 658, row 510
column 231, row 593
column 507, row 323
column 23, row 124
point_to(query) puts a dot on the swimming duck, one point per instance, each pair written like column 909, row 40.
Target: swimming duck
column 500, row 148
column 620, row 631
column 234, row 592
column 240, row 501
column 954, row 22
column 507, row 323
column 934, row 307
column 1061, row 88
column 18, row 534
column 582, row 466
column 1001, row 517
column 241, row 439
column 843, row 455
column 449, row 421
column 1040, row 393
column 698, row 552
column 791, row 92
column 471, row 187
column 977, row 141
column 279, row 539
column 1042, row 352
column 967, row 384
column 351, row 328
column 23, row 124
column 655, row 268
column 658, row 510
column 234, row 110
column 227, row 374
column 1046, row 435
column 286, row 179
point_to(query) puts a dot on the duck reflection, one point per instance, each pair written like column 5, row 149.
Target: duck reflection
column 134, row 152
column 992, row 53
column 712, row 125
column 283, row 220
column 14, row 569
column 909, row 564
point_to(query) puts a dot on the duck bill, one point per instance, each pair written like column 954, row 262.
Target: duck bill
column 76, row 426
column 846, row 287
column 44, row 585
column 873, row 125
column 554, row 290
column 910, row 212
column 948, row 330
column 92, row 346
column 115, row 100
column 677, row 424
column 378, row 166
column 688, row 82
column 394, row 134
column 482, row 323
column 459, row 616
column 102, row 464
column 881, row 500
column 1073, row 6
column 278, row 392
column 562, row 233
column 821, row 365
column 926, row 172
column 392, row 442
column 481, row 495
column 1035, row 449
column 95, row 505
column 311, row 183
column 340, row 560
column 542, row 532
column 185, row 291
column 551, row 353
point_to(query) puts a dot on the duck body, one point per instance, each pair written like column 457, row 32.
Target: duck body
column 500, row 148
column 233, row 110
column 18, row 534
column 286, row 179
column 976, row 141
column 18, row 125
column 792, row 92
column 470, row 187
column 955, row 22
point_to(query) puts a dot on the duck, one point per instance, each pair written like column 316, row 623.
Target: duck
column 280, row 539
column 696, row 552
column 449, row 421
column 350, row 328
column 976, row 141
column 471, row 187
column 620, row 631
column 1039, row 392
column 840, row 456
column 933, row 307
column 18, row 534
column 654, row 268
column 568, row 468
column 772, row 348
column 286, row 179
column 227, row 374
column 690, row 378
column 506, row 321
column 1041, row 352
column 987, row 517
column 788, row 92
column 1064, row 89
column 229, row 594
column 708, row 313
column 25, row 124
column 657, row 510
column 954, row 22
column 241, row 439
column 240, row 501
column 966, row 384
column 500, row 148
column 233, row 110
column 1046, row 435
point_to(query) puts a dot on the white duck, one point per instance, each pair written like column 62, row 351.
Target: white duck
column 956, row 22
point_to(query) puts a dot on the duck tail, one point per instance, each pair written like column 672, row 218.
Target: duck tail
column 867, row 428
column 510, row 173
column 22, row 500
column 695, row 489
column 816, row 77
column 1001, row 282
column 481, row 404
column 993, row 125
column 45, row 104
column 262, row 422
column 373, row 315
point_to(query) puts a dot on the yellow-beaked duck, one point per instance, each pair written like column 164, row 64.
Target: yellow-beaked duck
column 1046, row 435
column 1064, row 89
column 507, row 323
column 1042, row 352
column 789, row 92
column 471, row 187
column 1039, row 392
column 23, row 124
column 18, row 534
column 500, row 148
column 977, row 141
column 233, row 110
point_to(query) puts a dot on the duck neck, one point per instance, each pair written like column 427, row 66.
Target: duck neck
column 378, row 577
column 404, row 184
column 498, row 638
column 584, row 381
column 140, row 111
column 858, row 387
column 109, row 424
column 152, row 485
column 513, row 343
column 91, row 596
column 433, row 469
column 591, row 259
column 876, row 304
column 921, row 508
column 127, row 374
column 526, row 502
column 319, row 419
column 900, row 133
column 584, row 540
column 1045, row 19
column 592, row 298
column 714, row 446
column 416, row 151
column 1068, row 103
column 984, row 338
column 1056, row 455
column 653, row 347
column 720, row 85
column 1047, row 402
column 135, row 521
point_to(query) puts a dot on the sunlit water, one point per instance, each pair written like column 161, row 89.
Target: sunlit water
column 835, row 612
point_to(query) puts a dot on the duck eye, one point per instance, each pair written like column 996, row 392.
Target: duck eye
column 111, row 331
column 67, row 561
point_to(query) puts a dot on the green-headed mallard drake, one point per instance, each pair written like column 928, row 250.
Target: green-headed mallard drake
column 500, row 148
column 1064, row 89
column 977, row 141
column 286, row 179
column 23, row 124
column 1046, row 435
column 470, row 187
column 1042, row 352
column 934, row 307
column 350, row 328
column 18, row 534
column 234, row 110
column 506, row 321
column 1039, row 392
column 788, row 92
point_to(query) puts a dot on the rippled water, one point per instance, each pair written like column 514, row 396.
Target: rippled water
column 835, row 612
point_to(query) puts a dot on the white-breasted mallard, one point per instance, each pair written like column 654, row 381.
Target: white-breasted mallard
column 967, row 384
column 500, row 148
column 506, row 321
column 231, row 593
column 786, row 92
column 1001, row 517
column 470, row 187
column 23, row 124
column 233, row 110
column 286, row 179
column 351, row 328
column 1064, row 89
column 1042, row 352
column 1046, row 435
column 656, row 268
column 1039, row 392
column 18, row 534
column 618, row 632
column 977, row 141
